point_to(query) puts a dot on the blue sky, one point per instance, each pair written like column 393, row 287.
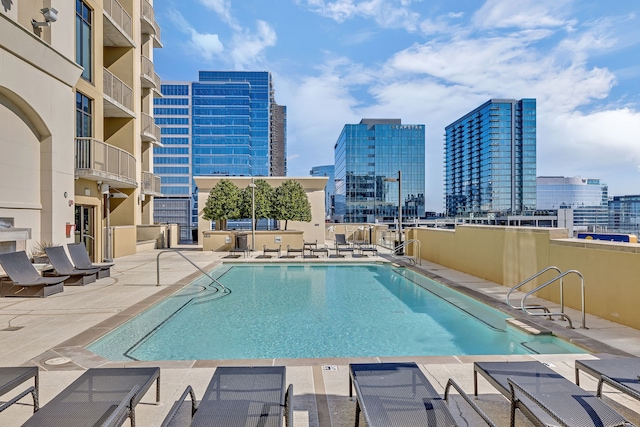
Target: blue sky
column 430, row 62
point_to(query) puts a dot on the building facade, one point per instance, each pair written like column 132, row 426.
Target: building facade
column 225, row 124
column 586, row 197
column 330, row 189
column 624, row 214
column 490, row 160
column 78, row 174
column 368, row 156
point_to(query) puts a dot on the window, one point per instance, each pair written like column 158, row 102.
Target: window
column 83, row 38
column 84, row 123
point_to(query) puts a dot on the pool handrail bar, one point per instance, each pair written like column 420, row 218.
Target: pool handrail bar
column 175, row 251
column 417, row 259
column 561, row 313
column 519, row 285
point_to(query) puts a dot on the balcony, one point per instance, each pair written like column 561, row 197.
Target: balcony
column 149, row 132
column 98, row 161
column 147, row 74
column 118, row 97
column 150, row 184
column 117, row 25
column 149, row 24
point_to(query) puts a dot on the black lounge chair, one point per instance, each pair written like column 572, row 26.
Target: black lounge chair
column 239, row 396
column 62, row 266
column 399, row 394
column 342, row 245
column 546, row 397
column 97, row 396
column 620, row 373
column 294, row 252
column 81, row 260
column 24, row 280
column 11, row 378
column 266, row 250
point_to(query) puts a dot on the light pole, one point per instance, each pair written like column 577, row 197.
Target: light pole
column 253, row 215
column 399, row 180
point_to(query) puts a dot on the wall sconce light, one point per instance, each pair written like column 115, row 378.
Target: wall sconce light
column 50, row 15
column 142, row 197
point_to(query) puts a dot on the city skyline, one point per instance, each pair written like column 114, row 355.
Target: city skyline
column 335, row 62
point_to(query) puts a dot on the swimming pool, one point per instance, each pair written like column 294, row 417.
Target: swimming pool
column 318, row 311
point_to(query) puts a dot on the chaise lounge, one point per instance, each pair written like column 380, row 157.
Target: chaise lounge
column 97, row 396
column 11, row 378
column 546, row 397
column 62, row 266
column 266, row 250
column 239, row 396
column 24, row 280
column 620, row 373
column 81, row 260
column 399, row 395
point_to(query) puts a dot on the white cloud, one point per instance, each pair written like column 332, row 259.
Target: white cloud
column 204, row 45
column 223, row 9
column 522, row 14
column 248, row 47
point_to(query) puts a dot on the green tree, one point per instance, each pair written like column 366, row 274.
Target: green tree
column 263, row 200
column 223, row 203
column 290, row 202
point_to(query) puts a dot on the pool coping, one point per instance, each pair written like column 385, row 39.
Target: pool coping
column 74, row 354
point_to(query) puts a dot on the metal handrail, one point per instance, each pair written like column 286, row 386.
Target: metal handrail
column 417, row 258
column 562, row 313
column 553, row 267
column 190, row 262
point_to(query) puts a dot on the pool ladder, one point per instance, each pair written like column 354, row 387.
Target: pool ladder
column 173, row 251
column 417, row 259
column 545, row 311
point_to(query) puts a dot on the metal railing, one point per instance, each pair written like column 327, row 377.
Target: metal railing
column 117, row 90
column 119, row 16
column 149, row 15
column 213, row 279
column 149, row 126
column 147, row 69
column 417, row 259
column 150, row 183
column 99, row 156
column 519, row 285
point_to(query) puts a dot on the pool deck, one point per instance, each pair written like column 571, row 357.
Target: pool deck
column 52, row 332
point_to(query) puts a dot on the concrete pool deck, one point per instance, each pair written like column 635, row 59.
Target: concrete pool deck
column 52, row 332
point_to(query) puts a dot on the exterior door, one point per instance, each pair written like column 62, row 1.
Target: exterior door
column 85, row 228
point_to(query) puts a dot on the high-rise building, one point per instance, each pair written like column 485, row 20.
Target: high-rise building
column 80, row 174
column 225, row 124
column 490, row 160
column 368, row 156
column 587, row 197
column 624, row 214
column 329, row 190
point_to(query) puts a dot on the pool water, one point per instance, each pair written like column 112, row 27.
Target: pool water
column 317, row 311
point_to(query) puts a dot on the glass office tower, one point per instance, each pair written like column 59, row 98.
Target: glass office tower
column 368, row 153
column 490, row 160
column 586, row 196
column 624, row 214
column 329, row 190
column 227, row 123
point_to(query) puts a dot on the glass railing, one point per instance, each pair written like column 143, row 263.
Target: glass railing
column 117, row 90
column 150, row 183
column 95, row 155
column 119, row 16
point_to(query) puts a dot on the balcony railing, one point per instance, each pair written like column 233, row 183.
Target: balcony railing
column 147, row 73
column 150, row 130
column 119, row 92
column 150, row 184
column 102, row 161
column 120, row 17
column 149, row 24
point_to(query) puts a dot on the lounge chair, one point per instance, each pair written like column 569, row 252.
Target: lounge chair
column 11, row 378
column 399, row 394
column 24, row 279
column 239, row 396
column 373, row 249
column 342, row 245
column 62, row 266
column 620, row 373
column 294, row 252
column 96, row 396
column 266, row 250
column 81, row 260
column 546, row 397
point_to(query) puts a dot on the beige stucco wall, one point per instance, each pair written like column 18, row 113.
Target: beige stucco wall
column 314, row 186
column 226, row 240
column 123, row 240
column 37, row 120
column 509, row 255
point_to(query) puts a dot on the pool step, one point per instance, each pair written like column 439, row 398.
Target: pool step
column 528, row 327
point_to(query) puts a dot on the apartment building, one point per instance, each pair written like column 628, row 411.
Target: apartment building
column 77, row 84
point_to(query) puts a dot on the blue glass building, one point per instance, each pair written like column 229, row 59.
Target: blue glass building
column 490, row 160
column 227, row 123
column 329, row 190
column 365, row 155
column 624, row 214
